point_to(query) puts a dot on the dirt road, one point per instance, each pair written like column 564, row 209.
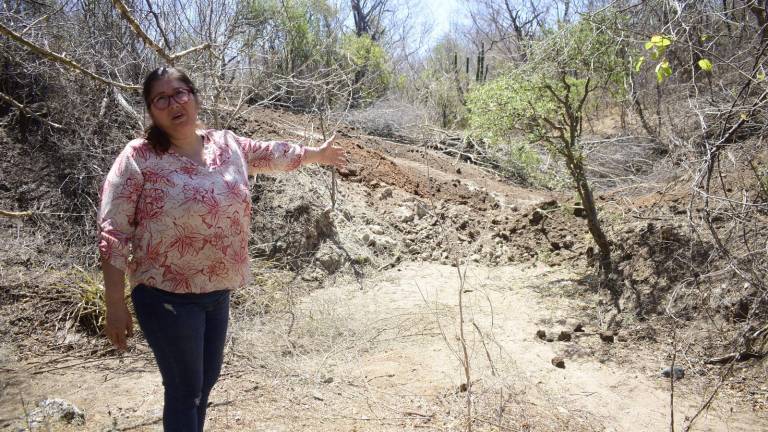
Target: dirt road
column 387, row 357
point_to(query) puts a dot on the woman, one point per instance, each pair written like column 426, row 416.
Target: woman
column 175, row 217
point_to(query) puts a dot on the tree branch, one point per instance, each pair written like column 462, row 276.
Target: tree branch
column 61, row 59
column 140, row 33
column 28, row 111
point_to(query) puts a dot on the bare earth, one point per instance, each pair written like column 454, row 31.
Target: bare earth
column 384, row 353
column 386, row 358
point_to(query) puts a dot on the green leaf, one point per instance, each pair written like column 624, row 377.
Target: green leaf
column 660, row 41
column 761, row 76
column 663, row 70
column 649, row 45
column 705, row 65
column 639, row 63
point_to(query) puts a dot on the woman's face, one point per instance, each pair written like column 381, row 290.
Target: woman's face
column 173, row 107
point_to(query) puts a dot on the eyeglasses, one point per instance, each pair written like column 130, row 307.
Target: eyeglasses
column 181, row 96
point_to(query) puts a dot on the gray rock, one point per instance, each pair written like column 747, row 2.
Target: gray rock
column 57, row 410
column 678, row 372
column 376, row 229
column 404, row 215
column 421, row 210
column 558, row 362
column 541, row 334
column 564, row 336
column 386, row 193
column 329, row 258
column 382, row 243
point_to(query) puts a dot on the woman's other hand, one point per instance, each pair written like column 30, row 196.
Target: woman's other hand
column 119, row 325
column 326, row 154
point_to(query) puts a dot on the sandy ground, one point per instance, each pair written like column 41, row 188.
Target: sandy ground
column 388, row 357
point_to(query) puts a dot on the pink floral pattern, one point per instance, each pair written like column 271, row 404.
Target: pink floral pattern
column 182, row 227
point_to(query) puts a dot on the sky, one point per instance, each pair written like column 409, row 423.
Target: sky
column 440, row 13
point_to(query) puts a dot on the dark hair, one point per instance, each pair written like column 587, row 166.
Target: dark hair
column 156, row 136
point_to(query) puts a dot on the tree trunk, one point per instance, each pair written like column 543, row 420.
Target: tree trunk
column 593, row 222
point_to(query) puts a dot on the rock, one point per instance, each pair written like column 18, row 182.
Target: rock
column 564, row 336
column 678, row 372
column 57, row 410
column 621, row 338
column 578, row 328
column 667, row 233
column 475, row 258
column 327, row 380
column 421, row 210
column 382, row 243
column 541, row 334
column 313, row 275
column 536, row 217
column 386, row 193
column 568, row 243
column 558, row 362
column 317, row 396
column 606, row 336
column 458, row 170
column 578, row 210
column 329, row 258
column 548, row 205
column 550, row 339
column 376, row 229
column 404, row 215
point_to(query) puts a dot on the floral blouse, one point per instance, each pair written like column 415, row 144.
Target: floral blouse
column 173, row 224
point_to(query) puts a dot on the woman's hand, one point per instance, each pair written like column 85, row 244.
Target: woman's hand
column 119, row 325
column 326, row 154
column 119, row 322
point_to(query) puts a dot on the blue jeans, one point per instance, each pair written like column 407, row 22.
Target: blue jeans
column 187, row 334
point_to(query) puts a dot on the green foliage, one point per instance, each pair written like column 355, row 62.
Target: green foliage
column 368, row 57
column 535, row 99
column 585, row 48
column 705, row 65
column 658, row 46
column 639, row 63
column 663, row 70
column 439, row 85
column 297, row 28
